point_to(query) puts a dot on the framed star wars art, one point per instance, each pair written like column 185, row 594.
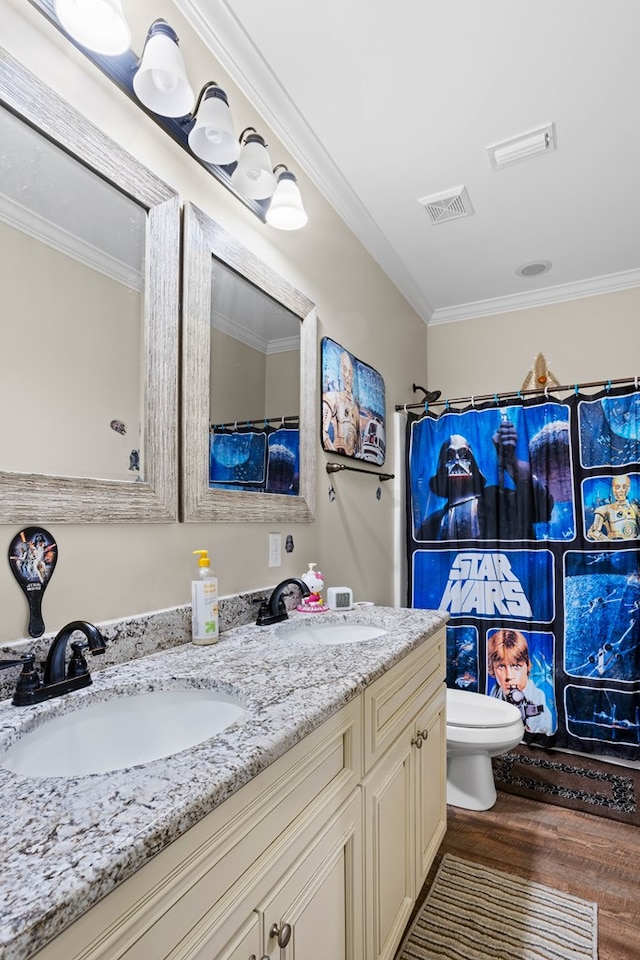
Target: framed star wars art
column 353, row 405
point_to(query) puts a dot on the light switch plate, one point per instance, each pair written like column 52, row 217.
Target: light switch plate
column 275, row 549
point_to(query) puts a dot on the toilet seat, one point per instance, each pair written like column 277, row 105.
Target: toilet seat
column 479, row 711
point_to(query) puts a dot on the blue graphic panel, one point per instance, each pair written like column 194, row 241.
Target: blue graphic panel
column 283, row 469
column 609, row 430
column 602, row 615
column 509, row 584
column 492, row 474
column 238, row 457
column 611, row 507
column 520, row 670
column 462, row 657
column 602, row 714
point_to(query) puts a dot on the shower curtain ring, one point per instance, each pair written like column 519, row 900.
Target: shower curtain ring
column 497, row 402
column 446, row 406
column 636, row 383
column 608, row 385
column 575, row 390
column 473, row 403
column 546, row 391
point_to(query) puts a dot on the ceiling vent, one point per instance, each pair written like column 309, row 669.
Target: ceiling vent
column 448, row 205
column 541, row 140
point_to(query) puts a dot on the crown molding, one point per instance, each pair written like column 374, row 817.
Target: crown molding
column 39, row 228
column 250, row 338
column 610, row 283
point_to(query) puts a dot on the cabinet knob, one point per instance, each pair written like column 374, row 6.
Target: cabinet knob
column 425, row 734
column 283, row 934
column 417, row 741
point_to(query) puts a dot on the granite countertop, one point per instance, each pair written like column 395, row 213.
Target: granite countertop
column 67, row 842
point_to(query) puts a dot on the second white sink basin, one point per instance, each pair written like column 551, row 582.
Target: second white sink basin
column 122, row 732
column 335, row 633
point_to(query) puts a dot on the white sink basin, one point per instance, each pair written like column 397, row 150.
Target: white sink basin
column 329, row 633
column 122, row 732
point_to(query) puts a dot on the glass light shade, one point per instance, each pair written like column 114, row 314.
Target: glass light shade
column 286, row 211
column 99, row 25
column 253, row 176
column 161, row 82
column 212, row 137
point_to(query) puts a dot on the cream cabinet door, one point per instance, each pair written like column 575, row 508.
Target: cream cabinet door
column 405, row 821
column 316, row 910
column 430, row 784
column 389, row 844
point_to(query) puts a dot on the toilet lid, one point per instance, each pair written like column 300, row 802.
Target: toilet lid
column 465, row 709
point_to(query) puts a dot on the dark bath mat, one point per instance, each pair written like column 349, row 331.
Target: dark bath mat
column 550, row 776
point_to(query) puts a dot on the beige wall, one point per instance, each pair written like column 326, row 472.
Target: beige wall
column 593, row 338
column 106, row 571
column 282, row 385
column 238, row 374
column 55, row 418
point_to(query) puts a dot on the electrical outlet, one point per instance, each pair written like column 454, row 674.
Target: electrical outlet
column 275, row 549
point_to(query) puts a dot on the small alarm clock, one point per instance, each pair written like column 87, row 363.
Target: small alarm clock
column 340, row 598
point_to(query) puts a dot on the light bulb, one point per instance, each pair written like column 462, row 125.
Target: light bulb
column 161, row 82
column 212, row 138
column 253, row 177
column 164, row 81
column 286, row 211
column 99, row 25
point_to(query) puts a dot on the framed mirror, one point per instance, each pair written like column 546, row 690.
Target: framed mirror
column 89, row 269
column 248, row 384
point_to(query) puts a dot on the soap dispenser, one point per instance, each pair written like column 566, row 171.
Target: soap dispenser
column 204, row 602
column 315, row 582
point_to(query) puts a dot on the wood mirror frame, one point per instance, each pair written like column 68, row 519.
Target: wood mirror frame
column 203, row 240
column 59, row 499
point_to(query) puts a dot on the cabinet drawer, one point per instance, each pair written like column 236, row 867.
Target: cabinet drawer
column 392, row 700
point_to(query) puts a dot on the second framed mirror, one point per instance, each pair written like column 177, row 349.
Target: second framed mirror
column 248, row 384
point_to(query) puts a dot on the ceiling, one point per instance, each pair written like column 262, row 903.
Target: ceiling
column 383, row 104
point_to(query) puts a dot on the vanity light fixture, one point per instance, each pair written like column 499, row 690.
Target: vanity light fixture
column 158, row 82
column 286, row 211
column 161, row 81
column 253, row 176
column 212, row 138
column 99, row 25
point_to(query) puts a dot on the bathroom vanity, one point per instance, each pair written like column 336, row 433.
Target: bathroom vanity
column 304, row 830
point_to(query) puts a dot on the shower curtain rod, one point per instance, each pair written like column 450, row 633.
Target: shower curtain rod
column 514, row 395
column 240, row 424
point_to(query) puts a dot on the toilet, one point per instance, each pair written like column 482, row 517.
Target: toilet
column 478, row 728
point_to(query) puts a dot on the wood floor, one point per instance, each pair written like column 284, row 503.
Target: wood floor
column 589, row 856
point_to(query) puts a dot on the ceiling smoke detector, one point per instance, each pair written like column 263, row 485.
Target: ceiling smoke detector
column 534, row 269
column 448, row 205
column 541, row 140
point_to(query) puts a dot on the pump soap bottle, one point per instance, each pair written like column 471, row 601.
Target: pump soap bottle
column 204, row 602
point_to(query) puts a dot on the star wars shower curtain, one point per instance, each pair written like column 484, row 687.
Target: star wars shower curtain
column 524, row 526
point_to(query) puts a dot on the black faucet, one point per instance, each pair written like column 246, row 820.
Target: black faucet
column 274, row 610
column 56, row 681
